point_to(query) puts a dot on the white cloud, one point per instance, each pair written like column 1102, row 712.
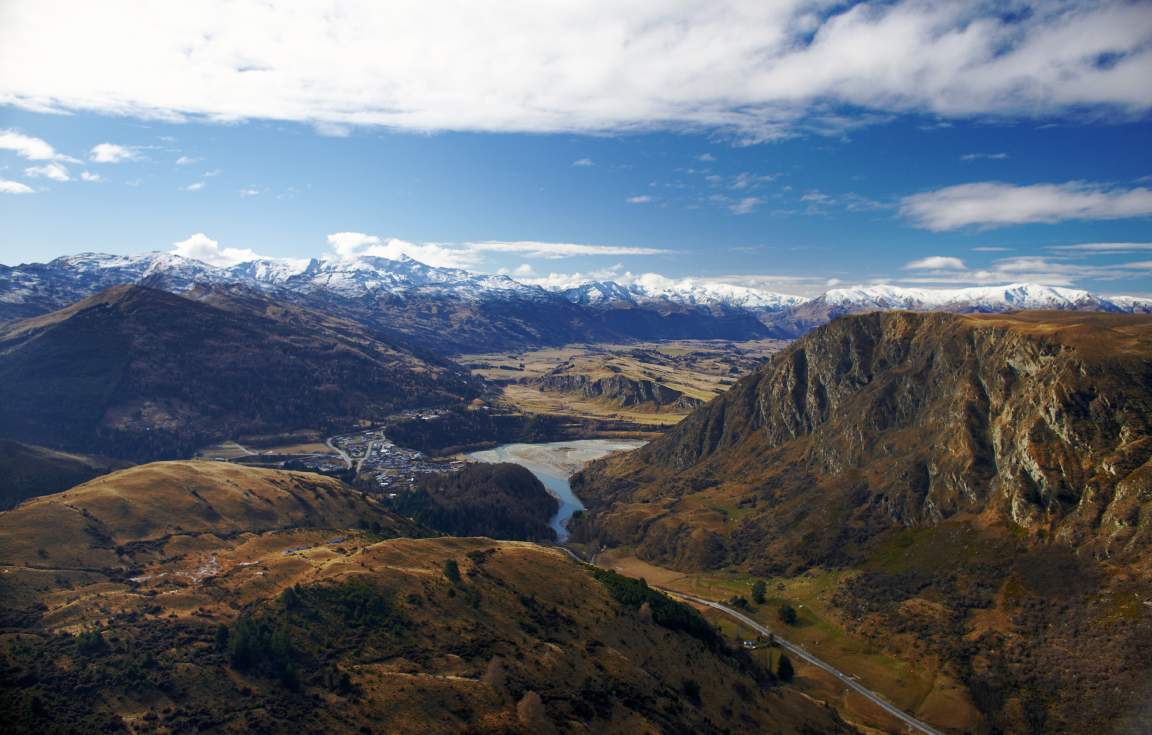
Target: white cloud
column 354, row 244
column 984, row 156
column 186, row 161
column 995, row 204
column 747, row 205
column 112, row 153
column 54, row 171
column 14, row 187
column 33, row 149
column 554, row 250
column 194, row 186
column 935, row 262
column 203, row 248
column 524, row 269
column 583, row 162
column 990, row 249
column 1103, row 248
column 641, row 199
column 90, row 177
column 251, row 192
column 706, row 157
column 757, row 68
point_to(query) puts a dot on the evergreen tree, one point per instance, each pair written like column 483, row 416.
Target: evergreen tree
column 784, row 668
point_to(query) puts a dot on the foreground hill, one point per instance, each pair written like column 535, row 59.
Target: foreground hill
column 27, row 471
column 988, row 477
column 206, row 597
column 140, row 373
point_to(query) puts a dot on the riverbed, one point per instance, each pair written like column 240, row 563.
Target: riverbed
column 553, row 463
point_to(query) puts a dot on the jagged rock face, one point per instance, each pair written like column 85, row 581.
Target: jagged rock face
column 621, row 390
column 907, row 419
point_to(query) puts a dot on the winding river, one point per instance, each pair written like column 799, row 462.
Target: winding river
column 553, row 463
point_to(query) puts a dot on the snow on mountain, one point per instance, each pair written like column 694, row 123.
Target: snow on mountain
column 1132, row 304
column 70, row 278
column 686, row 291
column 979, row 298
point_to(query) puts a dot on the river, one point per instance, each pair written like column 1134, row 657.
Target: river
column 553, row 463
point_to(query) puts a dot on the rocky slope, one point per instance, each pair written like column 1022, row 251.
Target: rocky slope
column 620, row 390
column 205, row 597
column 140, row 373
column 1012, row 454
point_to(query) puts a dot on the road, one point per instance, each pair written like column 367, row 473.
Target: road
column 907, row 719
column 848, row 681
column 343, row 455
column 367, row 454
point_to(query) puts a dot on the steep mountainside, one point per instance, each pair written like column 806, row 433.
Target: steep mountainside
column 27, row 471
column 205, row 597
column 141, row 373
column 993, row 465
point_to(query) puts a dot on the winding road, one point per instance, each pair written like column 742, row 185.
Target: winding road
column 343, row 455
column 800, row 653
column 847, row 680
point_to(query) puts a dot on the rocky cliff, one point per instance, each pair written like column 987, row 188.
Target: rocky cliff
column 902, row 419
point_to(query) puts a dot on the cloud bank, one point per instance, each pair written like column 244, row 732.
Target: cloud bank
column 759, row 68
column 996, row 204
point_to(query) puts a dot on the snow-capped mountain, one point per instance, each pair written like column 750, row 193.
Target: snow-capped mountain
column 359, row 283
column 45, row 286
column 976, row 299
column 688, row 291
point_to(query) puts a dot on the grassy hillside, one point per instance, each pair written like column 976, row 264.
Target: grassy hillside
column 268, row 613
column 27, row 471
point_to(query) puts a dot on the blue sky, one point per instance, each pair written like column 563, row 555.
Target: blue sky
column 849, row 179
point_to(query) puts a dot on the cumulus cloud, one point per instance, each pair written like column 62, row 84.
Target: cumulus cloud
column 195, row 186
column 54, row 171
column 203, row 248
column 14, row 187
column 90, row 177
column 33, row 149
column 583, row 162
column 354, row 244
column 640, row 199
column 760, row 68
column 186, row 161
column 112, row 153
column 935, row 262
column 995, row 204
column 471, row 254
column 984, row 156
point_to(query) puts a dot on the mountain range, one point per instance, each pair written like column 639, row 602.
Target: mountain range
column 453, row 310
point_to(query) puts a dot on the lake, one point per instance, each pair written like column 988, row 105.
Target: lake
column 553, row 463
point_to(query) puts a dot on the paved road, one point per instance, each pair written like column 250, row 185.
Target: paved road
column 912, row 723
column 343, row 455
column 907, row 719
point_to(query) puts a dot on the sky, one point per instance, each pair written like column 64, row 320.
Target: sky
column 793, row 146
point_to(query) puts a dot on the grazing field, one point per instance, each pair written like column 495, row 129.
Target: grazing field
column 650, row 383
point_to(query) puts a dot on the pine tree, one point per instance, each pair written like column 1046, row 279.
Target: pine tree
column 758, row 591
column 784, row 668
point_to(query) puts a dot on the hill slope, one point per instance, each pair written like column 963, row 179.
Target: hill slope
column 979, row 467
column 268, row 613
column 27, row 471
column 141, row 373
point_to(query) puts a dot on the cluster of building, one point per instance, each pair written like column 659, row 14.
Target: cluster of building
column 392, row 469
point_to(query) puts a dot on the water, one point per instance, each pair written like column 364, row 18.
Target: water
column 553, row 463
